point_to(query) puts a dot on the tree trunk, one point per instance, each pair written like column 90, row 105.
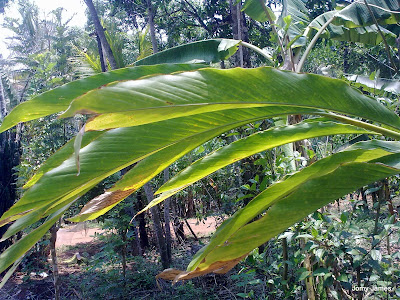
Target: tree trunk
column 150, row 15
column 167, row 219
column 378, row 209
column 190, row 212
column 100, row 33
column 157, row 228
column 240, row 32
column 100, row 47
column 53, row 252
column 144, row 239
column 3, row 107
column 9, row 158
column 309, row 281
column 285, row 258
column 135, row 242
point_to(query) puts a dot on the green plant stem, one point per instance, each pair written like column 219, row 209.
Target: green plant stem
column 381, row 130
column 382, row 36
column 256, row 49
column 312, row 43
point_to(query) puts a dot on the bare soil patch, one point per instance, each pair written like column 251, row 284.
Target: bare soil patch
column 80, row 234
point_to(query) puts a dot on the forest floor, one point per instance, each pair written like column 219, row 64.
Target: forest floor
column 83, row 239
column 79, row 233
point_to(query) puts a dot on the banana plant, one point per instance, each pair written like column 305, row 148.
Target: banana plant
column 149, row 115
column 359, row 22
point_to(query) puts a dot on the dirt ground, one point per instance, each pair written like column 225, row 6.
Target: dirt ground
column 80, row 233
column 80, row 238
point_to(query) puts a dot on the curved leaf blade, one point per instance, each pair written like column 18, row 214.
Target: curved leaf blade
column 123, row 146
column 58, row 99
column 18, row 249
column 251, row 145
column 357, row 14
column 294, row 198
column 153, row 164
column 206, row 51
column 61, row 155
column 255, row 10
column 150, row 166
column 247, row 86
column 151, row 115
column 368, row 34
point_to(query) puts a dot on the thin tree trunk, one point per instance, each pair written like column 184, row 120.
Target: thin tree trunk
column 191, row 230
column 54, row 263
column 100, row 33
column 9, row 158
column 144, row 239
column 100, row 47
column 309, row 281
column 123, row 256
column 285, row 258
column 167, row 219
column 378, row 209
column 157, row 228
column 364, row 199
column 3, row 106
column 190, row 212
column 240, row 32
column 150, row 15
column 136, row 241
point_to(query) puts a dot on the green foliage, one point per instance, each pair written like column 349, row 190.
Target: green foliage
column 150, row 116
column 224, row 83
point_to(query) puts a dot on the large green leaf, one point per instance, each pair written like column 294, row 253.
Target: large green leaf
column 357, row 14
column 182, row 58
column 151, row 115
column 353, row 23
column 296, row 9
column 234, row 86
column 276, row 92
column 205, row 86
column 298, row 12
column 291, row 200
column 155, row 163
column 205, row 51
column 368, row 34
column 258, row 11
column 116, row 149
column 150, row 166
column 58, row 100
column 18, row 249
column 253, row 144
column 61, row 154
column 243, row 148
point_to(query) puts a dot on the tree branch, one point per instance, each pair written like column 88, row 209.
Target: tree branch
column 382, row 36
column 195, row 14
